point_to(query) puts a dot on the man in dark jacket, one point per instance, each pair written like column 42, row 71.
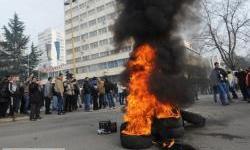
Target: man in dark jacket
column 109, row 89
column 35, row 99
column 218, row 79
column 87, row 94
column 4, row 97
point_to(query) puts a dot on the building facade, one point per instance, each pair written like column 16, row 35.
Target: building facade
column 51, row 44
column 92, row 23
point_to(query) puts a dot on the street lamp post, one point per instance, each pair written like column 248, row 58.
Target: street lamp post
column 72, row 34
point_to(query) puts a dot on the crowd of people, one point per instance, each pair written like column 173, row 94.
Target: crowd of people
column 67, row 95
column 226, row 84
column 59, row 94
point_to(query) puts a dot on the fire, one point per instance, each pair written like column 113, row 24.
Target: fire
column 143, row 105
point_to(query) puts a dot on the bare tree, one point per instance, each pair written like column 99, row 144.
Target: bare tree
column 227, row 28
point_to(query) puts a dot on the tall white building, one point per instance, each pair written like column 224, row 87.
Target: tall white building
column 51, row 44
column 92, row 24
column 96, row 55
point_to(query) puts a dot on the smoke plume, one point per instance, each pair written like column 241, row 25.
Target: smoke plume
column 158, row 23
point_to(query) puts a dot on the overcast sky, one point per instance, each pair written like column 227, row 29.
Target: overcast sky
column 37, row 15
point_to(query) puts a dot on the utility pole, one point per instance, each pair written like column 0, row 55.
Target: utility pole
column 72, row 35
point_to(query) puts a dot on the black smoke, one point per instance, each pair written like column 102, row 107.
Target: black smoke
column 158, row 23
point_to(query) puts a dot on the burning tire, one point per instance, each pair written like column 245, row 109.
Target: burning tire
column 167, row 129
column 134, row 142
column 193, row 118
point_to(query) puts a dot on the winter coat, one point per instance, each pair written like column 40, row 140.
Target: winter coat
column 59, row 88
column 87, row 87
column 108, row 87
column 100, row 87
column 218, row 75
column 248, row 80
column 69, row 88
column 4, row 91
column 47, row 92
column 36, row 96
column 241, row 78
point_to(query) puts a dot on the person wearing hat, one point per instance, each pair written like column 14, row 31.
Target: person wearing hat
column 59, row 89
column 48, row 95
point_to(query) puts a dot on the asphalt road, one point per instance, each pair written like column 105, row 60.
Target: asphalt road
column 228, row 128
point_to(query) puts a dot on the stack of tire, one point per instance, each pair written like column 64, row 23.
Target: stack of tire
column 162, row 130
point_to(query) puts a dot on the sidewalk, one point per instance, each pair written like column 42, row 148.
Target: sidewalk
column 16, row 118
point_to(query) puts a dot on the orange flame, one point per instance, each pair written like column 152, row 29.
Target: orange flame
column 142, row 105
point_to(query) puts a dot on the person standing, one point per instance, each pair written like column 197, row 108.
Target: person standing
column 48, row 94
column 109, row 93
column 35, row 99
column 218, row 80
column 69, row 92
column 231, row 82
column 248, row 84
column 76, row 94
column 241, row 75
column 59, row 89
column 87, row 94
column 94, row 93
column 26, row 94
column 101, row 93
column 120, row 94
column 4, row 96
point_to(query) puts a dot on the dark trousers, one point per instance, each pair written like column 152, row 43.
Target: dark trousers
column 74, row 102
column 243, row 90
column 102, row 103
column 68, row 103
column 47, row 104
column 95, row 102
column 3, row 108
column 34, row 110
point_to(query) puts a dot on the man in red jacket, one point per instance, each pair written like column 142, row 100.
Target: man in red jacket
column 248, row 83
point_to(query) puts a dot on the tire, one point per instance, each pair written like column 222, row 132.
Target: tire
column 193, row 118
column 134, row 142
column 167, row 129
column 182, row 147
column 169, row 122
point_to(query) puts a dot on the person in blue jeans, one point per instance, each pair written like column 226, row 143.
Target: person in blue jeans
column 109, row 89
column 59, row 90
column 87, row 94
column 218, row 79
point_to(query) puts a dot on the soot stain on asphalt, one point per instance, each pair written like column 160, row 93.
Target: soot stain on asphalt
column 222, row 135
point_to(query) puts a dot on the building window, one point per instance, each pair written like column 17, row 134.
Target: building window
column 103, row 54
column 104, row 42
column 93, row 33
column 91, row 12
column 85, row 36
column 85, row 47
column 101, row 19
column 110, row 4
column 102, row 31
column 100, row 8
column 94, row 45
column 84, row 25
column 111, row 41
column 92, row 22
column 94, row 56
